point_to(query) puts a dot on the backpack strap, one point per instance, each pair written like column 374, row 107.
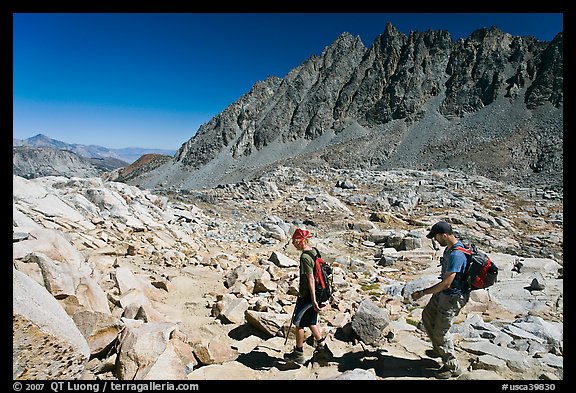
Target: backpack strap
column 462, row 249
column 309, row 252
column 466, row 251
column 317, row 268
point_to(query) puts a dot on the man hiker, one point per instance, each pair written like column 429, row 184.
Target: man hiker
column 448, row 298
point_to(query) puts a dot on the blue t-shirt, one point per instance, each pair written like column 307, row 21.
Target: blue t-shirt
column 454, row 261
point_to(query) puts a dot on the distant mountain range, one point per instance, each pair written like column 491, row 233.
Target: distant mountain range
column 128, row 154
column 31, row 162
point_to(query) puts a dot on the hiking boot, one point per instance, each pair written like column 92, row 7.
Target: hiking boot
column 445, row 373
column 431, row 353
column 322, row 353
column 295, row 356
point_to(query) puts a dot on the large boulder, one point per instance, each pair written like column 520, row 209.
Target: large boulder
column 46, row 344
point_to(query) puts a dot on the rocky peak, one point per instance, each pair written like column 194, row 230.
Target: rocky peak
column 549, row 79
column 393, row 100
column 41, row 140
column 489, row 64
column 390, row 36
column 343, row 41
column 491, row 36
column 417, row 76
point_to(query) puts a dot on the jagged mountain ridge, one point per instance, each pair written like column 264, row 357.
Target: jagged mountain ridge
column 491, row 104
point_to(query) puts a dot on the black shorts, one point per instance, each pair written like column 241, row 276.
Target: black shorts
column 304, row 314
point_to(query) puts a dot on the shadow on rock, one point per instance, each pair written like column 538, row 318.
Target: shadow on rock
column 257, row 360
column 246, row 330
column 386, row 365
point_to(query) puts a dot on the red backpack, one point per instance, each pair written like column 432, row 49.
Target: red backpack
column 322, row 277
column 480, row 271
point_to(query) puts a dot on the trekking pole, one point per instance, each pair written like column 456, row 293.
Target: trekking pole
column 290, row 327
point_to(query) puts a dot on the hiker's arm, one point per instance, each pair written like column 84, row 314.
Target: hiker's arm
column 439, row 287
column 312, row 286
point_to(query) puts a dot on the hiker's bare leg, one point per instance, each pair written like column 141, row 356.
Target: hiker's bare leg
column 300, row 337
column 316, row 332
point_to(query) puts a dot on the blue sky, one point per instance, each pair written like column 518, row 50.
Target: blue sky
column 151, row 79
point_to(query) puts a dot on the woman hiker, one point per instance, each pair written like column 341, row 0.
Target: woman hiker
column 306, row 309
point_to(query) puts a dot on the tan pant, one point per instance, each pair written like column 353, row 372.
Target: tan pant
column 437, row 319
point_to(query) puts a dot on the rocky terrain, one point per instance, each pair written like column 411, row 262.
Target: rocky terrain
column 490, row 104
column 114, row 282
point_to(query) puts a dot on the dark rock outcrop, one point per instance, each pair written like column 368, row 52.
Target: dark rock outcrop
column 491, row 103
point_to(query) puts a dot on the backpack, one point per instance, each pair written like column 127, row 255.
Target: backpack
column 480, row 271
column 322, row 278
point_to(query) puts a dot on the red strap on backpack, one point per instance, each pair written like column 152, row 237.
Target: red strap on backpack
column 464, row 250
column 318, row 272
